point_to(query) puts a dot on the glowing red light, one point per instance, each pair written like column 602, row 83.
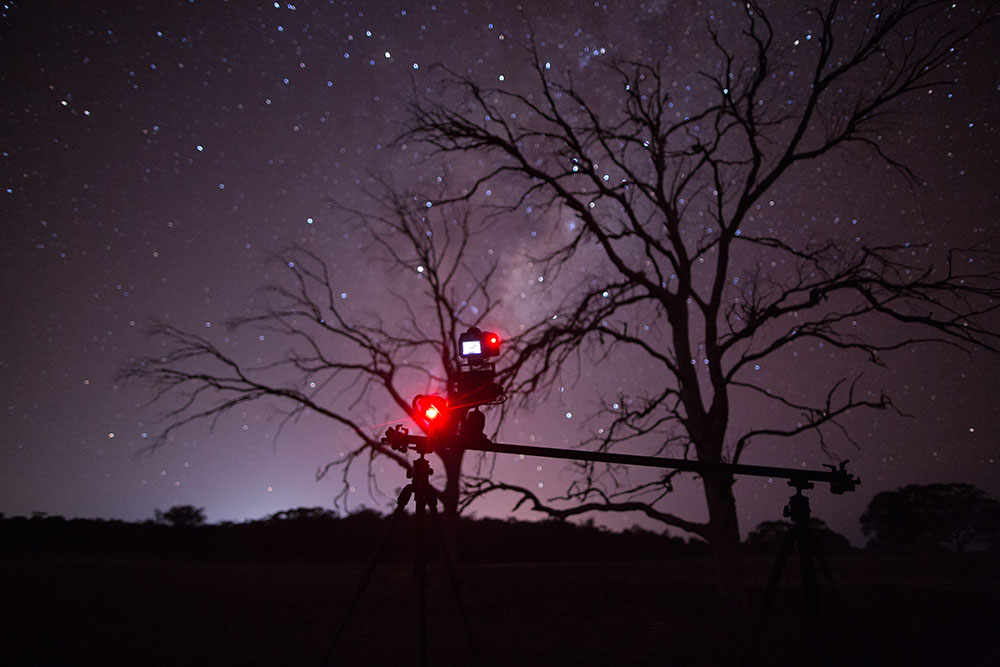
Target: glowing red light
column 432, row 413
column 494, row 340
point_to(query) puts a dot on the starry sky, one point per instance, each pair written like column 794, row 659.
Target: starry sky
column 153, row 156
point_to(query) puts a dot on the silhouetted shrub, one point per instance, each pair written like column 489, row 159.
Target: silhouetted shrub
column 932, row 517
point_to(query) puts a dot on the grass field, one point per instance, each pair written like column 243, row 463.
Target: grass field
column 943, row 611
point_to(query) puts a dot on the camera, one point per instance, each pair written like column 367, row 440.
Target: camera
column 475, row 345
column 474, row 384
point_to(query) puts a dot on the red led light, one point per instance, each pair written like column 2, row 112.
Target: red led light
column 434, row 414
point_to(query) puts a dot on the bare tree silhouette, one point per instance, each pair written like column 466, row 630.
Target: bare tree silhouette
column 661, row 193
column 329, row 353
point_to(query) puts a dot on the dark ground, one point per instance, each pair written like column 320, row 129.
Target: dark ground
column 931, row 611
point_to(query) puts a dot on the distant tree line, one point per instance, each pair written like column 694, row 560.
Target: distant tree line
column 322, row 535
column 913, row 519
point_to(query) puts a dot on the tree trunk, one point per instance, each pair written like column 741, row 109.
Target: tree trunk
column 452, row 460
column 724, row 541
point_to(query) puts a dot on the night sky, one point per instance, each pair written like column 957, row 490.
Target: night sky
column 155, row 155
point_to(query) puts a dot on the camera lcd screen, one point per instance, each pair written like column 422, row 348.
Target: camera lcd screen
column 470, row 347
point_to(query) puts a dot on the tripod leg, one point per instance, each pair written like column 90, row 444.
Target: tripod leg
column 456, row 585
column 404, row 498
column 811, row 597
column 770, row 591
column 420, row 569
column 810, row 584
column 846, row 620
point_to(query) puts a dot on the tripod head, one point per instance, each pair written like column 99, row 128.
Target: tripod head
column 797, row 508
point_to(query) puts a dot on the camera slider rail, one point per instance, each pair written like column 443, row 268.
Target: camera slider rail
column 839, row 479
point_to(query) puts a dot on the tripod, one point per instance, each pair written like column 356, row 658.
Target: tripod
column 426, row 500
column 800, row 538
